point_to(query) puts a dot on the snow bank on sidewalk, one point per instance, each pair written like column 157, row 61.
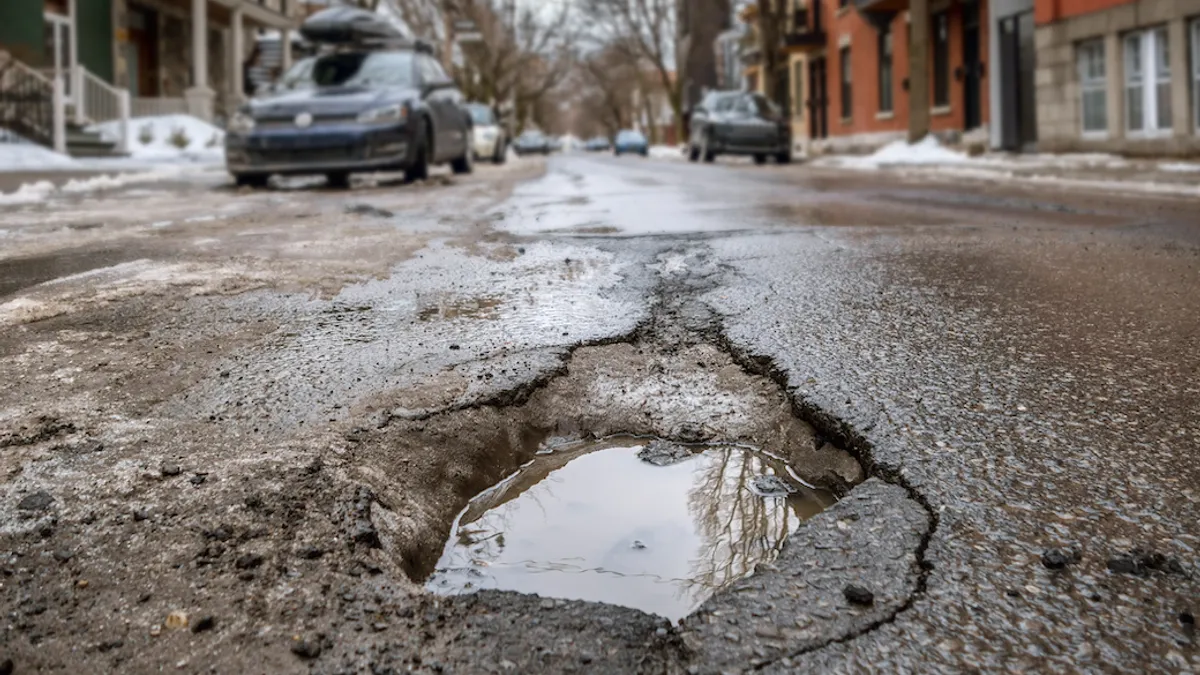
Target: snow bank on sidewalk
column 19, row 155
column 178, row 138
column 928, row 151
column 666, row 152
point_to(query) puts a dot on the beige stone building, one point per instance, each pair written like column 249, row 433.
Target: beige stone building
column 1119, row 76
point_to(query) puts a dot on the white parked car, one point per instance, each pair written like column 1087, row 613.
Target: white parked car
column 489, row 140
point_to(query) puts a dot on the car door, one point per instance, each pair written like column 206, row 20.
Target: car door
column 445, row 102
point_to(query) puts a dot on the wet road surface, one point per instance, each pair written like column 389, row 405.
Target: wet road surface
column 1016, row 370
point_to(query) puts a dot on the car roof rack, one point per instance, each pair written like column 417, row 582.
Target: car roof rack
column 345, row 26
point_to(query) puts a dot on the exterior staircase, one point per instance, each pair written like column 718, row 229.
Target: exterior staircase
column 35, row 106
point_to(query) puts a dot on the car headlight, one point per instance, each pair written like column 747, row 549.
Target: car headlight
column 384, row 115
column 241, row 123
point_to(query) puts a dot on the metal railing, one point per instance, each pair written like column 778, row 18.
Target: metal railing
column 32, row 104
column 143, row 107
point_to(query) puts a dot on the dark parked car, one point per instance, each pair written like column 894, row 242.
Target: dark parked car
column 597, row 144
column 631, row 142
column 379, row 102
column 532, row 143
column 738, row 123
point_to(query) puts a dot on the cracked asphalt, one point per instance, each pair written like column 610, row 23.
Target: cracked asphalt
column 237, row 425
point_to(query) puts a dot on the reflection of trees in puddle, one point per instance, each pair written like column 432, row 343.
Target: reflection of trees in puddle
column 739, row 529
column 732, row 528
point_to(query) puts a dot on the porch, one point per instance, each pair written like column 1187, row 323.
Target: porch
column 96, row 61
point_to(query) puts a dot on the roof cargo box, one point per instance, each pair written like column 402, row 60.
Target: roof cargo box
column 347, row 25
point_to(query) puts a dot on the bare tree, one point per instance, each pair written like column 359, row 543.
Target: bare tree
column 518, row 59
column 645, row 30
column 612, row 77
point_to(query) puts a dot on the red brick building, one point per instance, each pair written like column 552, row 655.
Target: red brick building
column 848, row 70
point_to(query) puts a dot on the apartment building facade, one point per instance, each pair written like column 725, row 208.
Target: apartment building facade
column 1118, row 76
column 847, row 81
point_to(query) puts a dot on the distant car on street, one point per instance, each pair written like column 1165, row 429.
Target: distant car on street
column 532, row 143
column 597, row 144
column 376, row 102
column 739, row 123
column 489, row 141
column 630, row 142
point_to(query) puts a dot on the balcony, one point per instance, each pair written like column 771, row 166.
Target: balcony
column 805, row 30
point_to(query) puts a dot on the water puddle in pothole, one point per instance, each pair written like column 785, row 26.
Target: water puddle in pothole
column 593, row 521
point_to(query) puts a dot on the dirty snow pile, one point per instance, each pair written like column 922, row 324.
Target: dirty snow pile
column 927, row 151
column 168, row 138
column 29, row 193
column 20, row 155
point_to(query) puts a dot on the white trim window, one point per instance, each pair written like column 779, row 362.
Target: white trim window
column 1148, row 82
column 1093, row 87
column 1196, row 72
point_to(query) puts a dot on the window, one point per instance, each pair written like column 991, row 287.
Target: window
column 1196, row 72
column 798, row 89
column 844, row 57
column 885, row 70
column 1147, row 82
column 941, row 60
column 1093, row 92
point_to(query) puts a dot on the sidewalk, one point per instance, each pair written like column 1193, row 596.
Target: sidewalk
column 1078, row 171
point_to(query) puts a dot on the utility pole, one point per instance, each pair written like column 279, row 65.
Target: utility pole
column 918, row 71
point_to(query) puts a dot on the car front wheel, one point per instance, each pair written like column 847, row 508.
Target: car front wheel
column 418, row 169
column 464, row 164
column 338, row 179
column 250, row 180
column 501, row 153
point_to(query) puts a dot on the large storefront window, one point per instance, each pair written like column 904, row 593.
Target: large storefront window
column 1092, row 85
column 1147, row 82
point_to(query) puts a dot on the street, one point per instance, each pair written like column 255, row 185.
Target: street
column 237, row 427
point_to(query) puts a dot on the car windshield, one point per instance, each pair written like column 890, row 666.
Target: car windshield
column 299, row 76
column 481, row 115
column 350, row 69
column 630, row 137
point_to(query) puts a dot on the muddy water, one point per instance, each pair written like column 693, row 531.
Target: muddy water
column 595, row 522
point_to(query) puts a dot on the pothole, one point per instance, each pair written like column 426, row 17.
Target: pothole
column 638, row 522
column 465, row 501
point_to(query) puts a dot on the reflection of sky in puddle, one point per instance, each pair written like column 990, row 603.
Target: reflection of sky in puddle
column 599, row 524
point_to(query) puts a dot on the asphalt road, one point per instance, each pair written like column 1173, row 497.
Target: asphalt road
column 1016, row 370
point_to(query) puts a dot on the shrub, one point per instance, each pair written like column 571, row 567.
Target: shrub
column 179, row 138
column 146, row 134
